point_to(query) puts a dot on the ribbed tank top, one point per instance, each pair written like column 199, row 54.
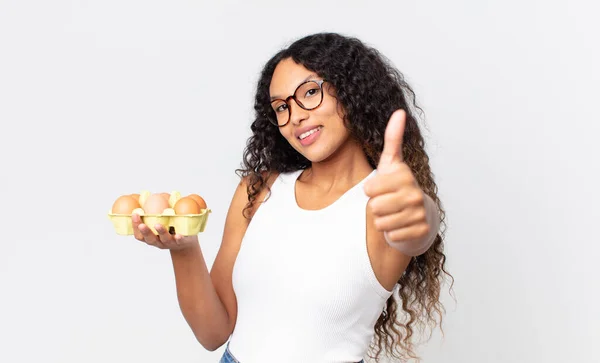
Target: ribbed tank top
column 305, row 287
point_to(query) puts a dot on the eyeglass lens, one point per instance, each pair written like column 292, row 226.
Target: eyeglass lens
column 308, row 96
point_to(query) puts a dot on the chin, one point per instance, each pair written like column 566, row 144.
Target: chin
column 312, row 156
column 316, row 159
column 317, row 155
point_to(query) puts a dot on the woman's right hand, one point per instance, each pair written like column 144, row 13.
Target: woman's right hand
column 162, row 240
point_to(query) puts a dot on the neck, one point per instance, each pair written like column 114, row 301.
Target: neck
column 347, row 166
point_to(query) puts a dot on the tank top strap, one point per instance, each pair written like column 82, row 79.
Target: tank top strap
column 288, row 180
column 283, row 186
column 358, row 189
column 355, row 197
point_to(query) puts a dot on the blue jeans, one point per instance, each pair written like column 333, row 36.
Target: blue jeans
column 229, row 358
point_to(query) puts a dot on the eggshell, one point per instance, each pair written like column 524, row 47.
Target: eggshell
column 156, row 204
column 199, row 200
column 135, row 196
column 185, row 206
column 125, row 204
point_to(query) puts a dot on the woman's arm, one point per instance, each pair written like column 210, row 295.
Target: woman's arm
column 207, row 299
column 198, row 299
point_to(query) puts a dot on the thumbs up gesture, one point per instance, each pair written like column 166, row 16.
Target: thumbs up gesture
column 399, row 207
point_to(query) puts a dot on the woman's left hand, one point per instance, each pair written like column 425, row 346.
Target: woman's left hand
column 399, row 206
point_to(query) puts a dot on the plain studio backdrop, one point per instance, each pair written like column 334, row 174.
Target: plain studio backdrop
column 103, row 98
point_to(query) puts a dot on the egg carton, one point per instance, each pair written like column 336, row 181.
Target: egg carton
column 185, row 225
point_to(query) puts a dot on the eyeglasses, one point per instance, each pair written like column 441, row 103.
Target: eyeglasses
column 308, row 95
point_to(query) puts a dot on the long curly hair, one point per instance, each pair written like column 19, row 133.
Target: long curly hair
column 369, row 89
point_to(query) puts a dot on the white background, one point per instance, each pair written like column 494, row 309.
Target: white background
column 103, row 98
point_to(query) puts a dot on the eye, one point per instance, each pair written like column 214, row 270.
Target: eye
column 280, row 108
column 312, row 92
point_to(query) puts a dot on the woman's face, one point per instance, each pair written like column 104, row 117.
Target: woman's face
column 317, row 134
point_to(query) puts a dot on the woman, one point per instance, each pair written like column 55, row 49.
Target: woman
column 336, row 207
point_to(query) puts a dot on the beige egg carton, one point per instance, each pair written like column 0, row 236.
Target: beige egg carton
column 185, row 225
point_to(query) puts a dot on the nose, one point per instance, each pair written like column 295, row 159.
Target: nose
column 297, row 113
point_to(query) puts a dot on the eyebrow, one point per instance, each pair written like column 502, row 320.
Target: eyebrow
column 312, row 75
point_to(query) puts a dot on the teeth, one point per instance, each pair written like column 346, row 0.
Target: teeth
column 308, row 133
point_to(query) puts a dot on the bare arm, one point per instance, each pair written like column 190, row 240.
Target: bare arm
column 206, row 299
column 198, row 299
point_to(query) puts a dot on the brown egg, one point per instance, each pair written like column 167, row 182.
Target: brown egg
column 156, row 204
column 186, row 205
column 199, row 200
column 125, row 204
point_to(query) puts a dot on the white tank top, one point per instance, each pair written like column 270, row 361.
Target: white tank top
column 305, row 288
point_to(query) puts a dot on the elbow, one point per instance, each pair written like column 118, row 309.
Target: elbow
column 212, row 344
column 213, row 340
column 211, row 348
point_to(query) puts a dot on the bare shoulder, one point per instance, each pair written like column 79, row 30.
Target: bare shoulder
column 388, row 263
column 235, row 228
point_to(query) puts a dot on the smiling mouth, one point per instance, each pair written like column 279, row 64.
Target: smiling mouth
column 310, row 132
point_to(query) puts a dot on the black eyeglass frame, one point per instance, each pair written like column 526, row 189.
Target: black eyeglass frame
column 293, row 96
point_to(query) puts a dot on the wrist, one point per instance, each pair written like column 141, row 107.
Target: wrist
column 186, row 249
